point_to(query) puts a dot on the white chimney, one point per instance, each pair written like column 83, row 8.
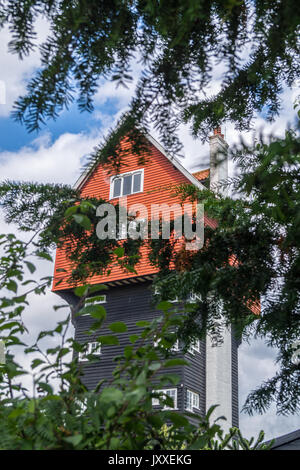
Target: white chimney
column 219, row 385
column 218, row 161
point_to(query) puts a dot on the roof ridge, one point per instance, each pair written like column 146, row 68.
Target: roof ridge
column 190, row 176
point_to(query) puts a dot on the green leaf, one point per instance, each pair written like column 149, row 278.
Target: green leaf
column 200, row 443
column 96, row 311
column 81, row 291
column 36, row 362
column 31, row 406
column 118, row 327
column 30, row 266
column 97, row 287
column 8, row 326
column 143, row 323
column 175, row 362
column 128, row 352
column 119, row 252
column 58, row 307
column 16, row 413
column 131, row 269
column 133, row 338
column 42, row 334
column 95, row 326
column 177, row 419
column 83, row 220
column 109, row 340
column 71, row 210
column 111, row 394
column 12, row 285
column 46, row 387
column 44, row 255
column 29, row 281
column 164, row 305
column 173, row 378
column 155, row 366
column 74, row 440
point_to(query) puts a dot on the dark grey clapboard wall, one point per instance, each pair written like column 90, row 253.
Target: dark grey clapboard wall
column 130, row 304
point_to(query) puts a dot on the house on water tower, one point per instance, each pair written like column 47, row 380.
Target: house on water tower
column 212, row 376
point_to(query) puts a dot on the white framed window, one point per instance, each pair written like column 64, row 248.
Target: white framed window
column 174, row 348
column 193, row 298
column 194, row 346
column 126, row 184
column 157, row 291
column 92, row 348
column 170, row 392
column 192, row 400
column 98, row 299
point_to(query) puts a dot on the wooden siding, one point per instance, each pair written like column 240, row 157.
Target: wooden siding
column 160, row 179
column 131, row 304
column 194, row 375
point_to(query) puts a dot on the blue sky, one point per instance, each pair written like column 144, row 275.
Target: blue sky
column 56, row 154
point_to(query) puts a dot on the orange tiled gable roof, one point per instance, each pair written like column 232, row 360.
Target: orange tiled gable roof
column 201, row 175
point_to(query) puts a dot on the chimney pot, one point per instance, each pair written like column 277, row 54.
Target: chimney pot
column 218, row 161
column 218, row 131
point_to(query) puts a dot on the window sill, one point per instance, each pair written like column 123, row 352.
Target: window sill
column 192, row 410
column 165, row 409
column 126, row 195
column 87, row 360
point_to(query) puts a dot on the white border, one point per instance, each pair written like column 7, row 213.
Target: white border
column 121, row 175
column 165, row 407
column 82, row 355
column 193, row 394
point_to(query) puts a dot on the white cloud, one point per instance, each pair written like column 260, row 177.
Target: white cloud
column 49, row 162
column 15, row 72
column 108, row 90
column 256, row 364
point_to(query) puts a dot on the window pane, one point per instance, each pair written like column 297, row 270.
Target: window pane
column 95, row 348
column 117, row 187
column 189, row 400
column 194, row 297
column 98, row 299
column 127, row 180
column 172, row 393
column 137, row 179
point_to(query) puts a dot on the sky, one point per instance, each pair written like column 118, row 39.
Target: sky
column 56, row 155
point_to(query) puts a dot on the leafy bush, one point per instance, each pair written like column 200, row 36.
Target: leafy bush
column 59, row 412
